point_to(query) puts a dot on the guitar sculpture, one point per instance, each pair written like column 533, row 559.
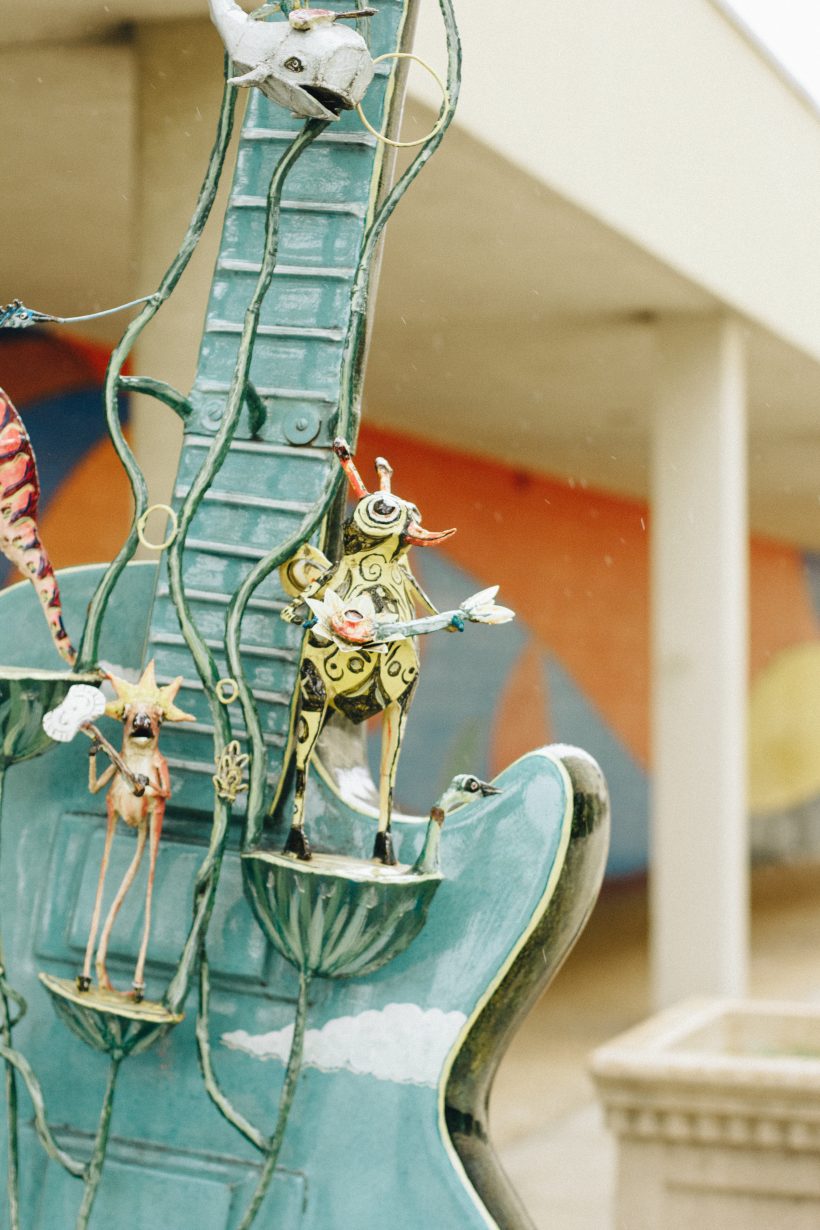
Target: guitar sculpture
column 318, row 1037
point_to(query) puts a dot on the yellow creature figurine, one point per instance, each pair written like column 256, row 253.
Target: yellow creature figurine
column 360, row 656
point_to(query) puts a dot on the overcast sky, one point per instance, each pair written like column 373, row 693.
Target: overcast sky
column 791, row 30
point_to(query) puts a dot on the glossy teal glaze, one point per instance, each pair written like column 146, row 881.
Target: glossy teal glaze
column 376, row 1003
column 271, row 478
column 353, row 1140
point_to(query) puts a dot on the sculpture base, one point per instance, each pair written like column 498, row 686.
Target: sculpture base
column 363, row 871
column 109, row 1021
column 112, row 1003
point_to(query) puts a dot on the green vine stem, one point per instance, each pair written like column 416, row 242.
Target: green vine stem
column 12, row 1143
column 90, row 1171
column 93, row 1170
column 208, row 876
column 353, row 357
column 212, row 1087
column 160, row 391
column 233, row 625
column 292, row 1073
column 346, row 425
column 7, row 1022
column 89, row 645
column 44, row 1133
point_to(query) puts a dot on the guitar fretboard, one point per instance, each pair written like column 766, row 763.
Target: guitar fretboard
column 271, row 479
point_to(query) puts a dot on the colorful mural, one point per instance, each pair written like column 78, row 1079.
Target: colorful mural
column 574, row 668
column 55, row 382
column 573, row 563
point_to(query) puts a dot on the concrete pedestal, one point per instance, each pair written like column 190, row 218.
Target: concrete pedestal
column 715, row 1106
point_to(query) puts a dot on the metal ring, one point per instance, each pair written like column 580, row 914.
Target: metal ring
column 143, row 521
column 227, row 691
column 408, row 55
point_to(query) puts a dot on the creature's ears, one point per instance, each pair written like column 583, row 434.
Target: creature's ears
column 146, row 692
column 166, row 702
column 342, row 450
column 385, row 473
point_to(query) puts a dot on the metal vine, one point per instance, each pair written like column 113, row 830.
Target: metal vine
column 241, row 393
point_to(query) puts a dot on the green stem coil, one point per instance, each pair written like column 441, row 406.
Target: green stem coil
column 292, row 1073
column 94, row 1167
column 89, row 645
column 208, row 877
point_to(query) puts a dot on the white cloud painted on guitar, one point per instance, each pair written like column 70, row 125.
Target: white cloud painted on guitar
column 402, row 1043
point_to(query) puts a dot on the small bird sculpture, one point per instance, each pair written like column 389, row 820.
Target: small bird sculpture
column 462, row 789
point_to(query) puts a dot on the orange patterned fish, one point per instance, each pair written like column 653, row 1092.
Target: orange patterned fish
column 19, row 536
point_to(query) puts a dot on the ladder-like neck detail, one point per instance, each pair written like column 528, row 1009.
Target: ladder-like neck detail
column 281, row 456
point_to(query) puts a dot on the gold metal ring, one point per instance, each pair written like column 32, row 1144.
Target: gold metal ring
column 143, row 521
column 227, row 691
column 408, row 55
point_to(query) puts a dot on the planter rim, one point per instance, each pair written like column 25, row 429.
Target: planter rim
column 656, row 1051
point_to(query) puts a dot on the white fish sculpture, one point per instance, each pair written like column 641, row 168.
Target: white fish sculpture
column 309, row 63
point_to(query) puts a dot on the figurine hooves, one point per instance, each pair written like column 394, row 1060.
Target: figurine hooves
column 83, row 982
column 383, row 849
column 138, row 992
column 297, row 844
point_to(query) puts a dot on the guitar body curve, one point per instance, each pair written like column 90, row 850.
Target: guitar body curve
column 389, row 1121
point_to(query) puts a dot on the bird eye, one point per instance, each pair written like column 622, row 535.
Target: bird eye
column 472, row 785
column 294, row 64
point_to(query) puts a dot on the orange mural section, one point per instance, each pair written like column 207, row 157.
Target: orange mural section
column 780, row 607
column 39, row 364
column 521, row 719
column 574, row 564
column 89, row 517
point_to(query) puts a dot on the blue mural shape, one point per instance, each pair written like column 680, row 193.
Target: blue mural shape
column 575, row 720
column 462, row 678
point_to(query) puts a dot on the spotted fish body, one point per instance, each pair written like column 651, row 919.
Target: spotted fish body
column 19, row 536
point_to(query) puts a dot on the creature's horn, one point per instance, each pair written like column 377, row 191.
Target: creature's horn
column 419, row 537
column 342, row 450
column 355, row 14
column 385, row 473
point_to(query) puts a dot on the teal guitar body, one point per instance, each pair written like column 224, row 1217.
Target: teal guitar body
column 324, row 1037
column 390, row 1124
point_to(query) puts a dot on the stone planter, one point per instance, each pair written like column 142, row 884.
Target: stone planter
column 715, row 1106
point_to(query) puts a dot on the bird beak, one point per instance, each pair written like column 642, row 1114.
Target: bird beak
column 486, row 789
column 418, row 537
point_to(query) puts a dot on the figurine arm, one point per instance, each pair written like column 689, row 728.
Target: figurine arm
column 420, row 596
column 480, row 608
column 161, row 789
column 297, row 611
column 95, row 783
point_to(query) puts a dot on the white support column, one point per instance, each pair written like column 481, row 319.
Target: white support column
column 699, row 851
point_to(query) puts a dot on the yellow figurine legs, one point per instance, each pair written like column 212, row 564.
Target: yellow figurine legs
column 309, row 722
column 393, row 723
column 398, row 676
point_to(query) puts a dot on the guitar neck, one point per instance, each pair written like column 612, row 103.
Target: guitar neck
column 272, row 476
